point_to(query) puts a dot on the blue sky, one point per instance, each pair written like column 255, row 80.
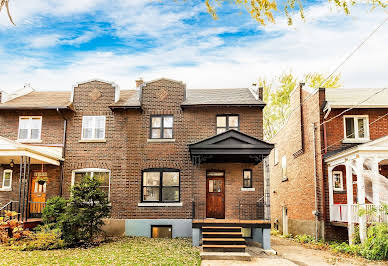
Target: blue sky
column 59, row 43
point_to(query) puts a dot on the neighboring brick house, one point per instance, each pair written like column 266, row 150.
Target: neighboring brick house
column 172, row 160
column 330, row 132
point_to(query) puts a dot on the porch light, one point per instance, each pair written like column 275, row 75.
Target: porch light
column 11, row 163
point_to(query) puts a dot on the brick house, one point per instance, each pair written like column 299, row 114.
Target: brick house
column 174, row 162
column 330, row 159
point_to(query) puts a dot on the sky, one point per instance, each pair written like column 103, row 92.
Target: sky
column 57, row 44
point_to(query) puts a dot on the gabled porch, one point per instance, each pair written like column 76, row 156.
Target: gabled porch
column 229, row 188
column 358, row 182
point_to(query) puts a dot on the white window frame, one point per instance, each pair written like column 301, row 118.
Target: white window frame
column 284, row 168
column 342, row 181
column 29, row 129
column 275, row 156
column 355, row 123
column 94, row 127
column 92, row 171
column 6, row 188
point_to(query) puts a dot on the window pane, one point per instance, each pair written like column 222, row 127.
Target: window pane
column 103, row 177
column 170, row 194
column 221, row 121
column 156, row 133
column 211, row 185
column 233, row 121
column 87, row 121
column 151, row 193
column 167, row 133
column 24, row 123
column 100, row 133
column 105, row 189
column 247, row 183
column 156, row 121
column 151, row 179
column 23, row 133
column 349, row 128
column 7, row 179
column 168, row 121
column 361, row 128
column 87, row 133
column 100, row 122
column 220, row 130
column 235, row 128
column 79, row 176
column 36, row 123
column 171, row 179
column 35, row 133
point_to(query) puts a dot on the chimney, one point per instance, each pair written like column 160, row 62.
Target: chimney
column 260, row 92
column 1, row 98
column 139, row 82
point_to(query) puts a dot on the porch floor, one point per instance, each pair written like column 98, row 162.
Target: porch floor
column 228, row 222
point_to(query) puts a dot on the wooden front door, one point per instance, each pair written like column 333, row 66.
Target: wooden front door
column 215, row 197
column 37, row 197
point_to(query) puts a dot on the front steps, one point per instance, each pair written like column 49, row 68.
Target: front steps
column 222, row 239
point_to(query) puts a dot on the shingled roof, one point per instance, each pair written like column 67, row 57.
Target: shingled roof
column 215, row 97
column 362, row 98
column 40, row 100
column 128, row 99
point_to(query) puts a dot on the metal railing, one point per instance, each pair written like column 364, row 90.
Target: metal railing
column 10, row 206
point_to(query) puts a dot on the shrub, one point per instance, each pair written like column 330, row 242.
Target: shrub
column 275, row 232
column 11, row 229
column 52, row 214
column 87, row 207
column 305, row 238
column 345, row 248
column 376, row 244
column 43, row 240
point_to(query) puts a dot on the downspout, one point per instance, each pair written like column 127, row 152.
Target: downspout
column 316, row 213
column 63, row 151
column 328, row 110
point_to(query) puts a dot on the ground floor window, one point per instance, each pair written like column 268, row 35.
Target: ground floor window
column 246, row 232
column 161, row 231
column 161, row 185
column 102, row 174
column 247, row 178
column 7, row 179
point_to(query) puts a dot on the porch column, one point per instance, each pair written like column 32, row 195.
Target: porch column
column 361, row 197
column 330, row 179
column 375, row 186
column 349, row 198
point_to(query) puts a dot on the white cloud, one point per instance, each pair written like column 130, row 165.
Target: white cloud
column 43, row 41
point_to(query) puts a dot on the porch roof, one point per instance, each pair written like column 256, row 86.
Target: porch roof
column 377, row 148
column 12, row 150
column 230, row 146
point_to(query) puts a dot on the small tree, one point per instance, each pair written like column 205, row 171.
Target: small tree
column 53, row 213
column 87, row 207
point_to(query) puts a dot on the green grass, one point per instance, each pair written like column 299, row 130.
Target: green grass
column 133, row 251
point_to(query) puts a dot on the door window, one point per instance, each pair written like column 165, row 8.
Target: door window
column 215, row 186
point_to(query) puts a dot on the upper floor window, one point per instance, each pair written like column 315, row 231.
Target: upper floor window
column 356, row 127
column 30, row 128
column 284, row 168
column 227, row 122
column 161, row 127
column 93, row 127
column 103, row 175
column 161, row 185
column 7, row 180
column 275, row 156
column 247, row 178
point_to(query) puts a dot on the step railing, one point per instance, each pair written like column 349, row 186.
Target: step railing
column 10, row 206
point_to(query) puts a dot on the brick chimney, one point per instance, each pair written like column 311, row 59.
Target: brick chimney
column 139, row 82
column 260, row 92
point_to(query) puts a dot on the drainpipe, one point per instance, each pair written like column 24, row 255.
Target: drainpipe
column 316, row 213
column 63, row 151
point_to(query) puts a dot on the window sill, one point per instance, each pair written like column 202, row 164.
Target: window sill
column 355, row 140
column 160, row 204
column 160, row 140
column 29, row 141
column 247, row 189
column 92, row 141
column 284, row 179
column 5, row 189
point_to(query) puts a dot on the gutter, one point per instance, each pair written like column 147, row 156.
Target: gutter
column 217, row 105
column 64, row 150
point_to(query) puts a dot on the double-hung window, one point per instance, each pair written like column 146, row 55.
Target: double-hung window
column 247, row 178
column 161, row 185
column 227, row 122
column 161, row 127
column 30, row 128
column 93, row 127
column 103, row 175
column 284, row 168
column 356, row 127
column 6, row 183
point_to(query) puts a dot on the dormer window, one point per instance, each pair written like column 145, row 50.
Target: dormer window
column 93, row 127
column 356, row 128
column 30, row 128
column 161, row 127
column 227, row 122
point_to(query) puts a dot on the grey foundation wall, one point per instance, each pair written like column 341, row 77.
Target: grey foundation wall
column 142, row 227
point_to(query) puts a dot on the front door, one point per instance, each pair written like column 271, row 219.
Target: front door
column 215, row 196
column 37, row 197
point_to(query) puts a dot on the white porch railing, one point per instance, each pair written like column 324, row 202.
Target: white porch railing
column 339, row 213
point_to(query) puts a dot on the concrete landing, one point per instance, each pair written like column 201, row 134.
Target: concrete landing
column 242, row 256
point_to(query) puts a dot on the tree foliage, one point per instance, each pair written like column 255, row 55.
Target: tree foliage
column 5, row 3
column 276, row 94
column 263, row 10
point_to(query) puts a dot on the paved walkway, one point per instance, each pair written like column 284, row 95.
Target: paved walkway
column 292, row 253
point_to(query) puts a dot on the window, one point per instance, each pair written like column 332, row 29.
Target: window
column 284, row 168
column 161, row 127
column 247, row 178
column 30, row 128
column 356, row 127
column 93, row 127
column 7, row 180
column 338, row 184
column 275, row 156
column 161, row 231
column 227, row 122
column 161, row 185
column 102, row 174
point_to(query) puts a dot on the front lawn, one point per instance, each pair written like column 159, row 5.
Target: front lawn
column 137, row 250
